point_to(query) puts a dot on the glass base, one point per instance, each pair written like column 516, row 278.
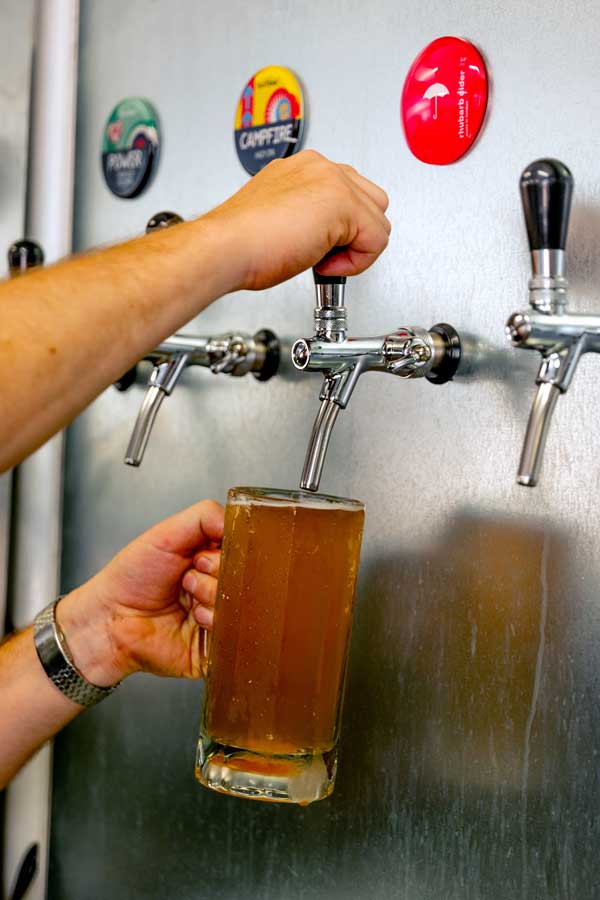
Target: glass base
column 291, row 778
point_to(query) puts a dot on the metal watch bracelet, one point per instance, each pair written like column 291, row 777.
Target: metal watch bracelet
column 57, row 662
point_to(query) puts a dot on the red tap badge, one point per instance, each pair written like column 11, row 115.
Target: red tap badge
column 444, row 100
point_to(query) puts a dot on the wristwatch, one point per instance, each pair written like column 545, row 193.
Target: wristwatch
column 57, row 661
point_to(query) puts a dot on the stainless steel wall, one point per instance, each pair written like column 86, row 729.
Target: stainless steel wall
column 471, row 732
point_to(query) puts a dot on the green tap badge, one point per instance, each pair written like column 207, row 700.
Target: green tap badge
column 130, row 147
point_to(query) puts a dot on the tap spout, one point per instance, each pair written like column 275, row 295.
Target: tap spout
column 318, row 444
column 335, row 395
column 165, row 375
column 537, row 433
column 143, row 425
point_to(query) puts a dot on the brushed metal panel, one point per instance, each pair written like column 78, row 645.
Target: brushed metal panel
column 471, row 732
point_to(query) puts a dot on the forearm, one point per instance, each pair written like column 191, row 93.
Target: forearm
column 70, row 330
column 32, row 709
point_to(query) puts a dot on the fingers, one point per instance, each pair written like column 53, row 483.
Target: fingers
column 361, row 249
column 200, row 596
column 208, row 562
column 200, row 587
column 376, row 193
column 349, row 261
column 311, row 206
column 197, row 526
column 368, row 228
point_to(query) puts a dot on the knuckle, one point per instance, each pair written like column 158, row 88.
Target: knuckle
column 310, row 155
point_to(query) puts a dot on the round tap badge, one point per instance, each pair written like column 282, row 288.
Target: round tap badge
column 130, row 147
column 269, row 120
column 444, row 100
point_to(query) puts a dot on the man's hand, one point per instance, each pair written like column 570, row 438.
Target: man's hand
column 297, row 211
column 147, row 608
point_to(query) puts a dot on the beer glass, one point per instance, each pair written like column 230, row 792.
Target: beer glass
column 278, row 649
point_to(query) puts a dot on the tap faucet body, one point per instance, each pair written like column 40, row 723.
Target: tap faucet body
column 230, row 354
column 410, row 352
column 234, row 353
column 547, row 326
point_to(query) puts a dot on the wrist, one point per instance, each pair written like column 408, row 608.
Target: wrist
column 227, row 245
column 88, row 627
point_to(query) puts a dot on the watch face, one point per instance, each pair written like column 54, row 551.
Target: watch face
column 130, row 147
column 269, row 120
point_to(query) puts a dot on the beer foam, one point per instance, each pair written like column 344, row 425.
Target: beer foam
column 271, row 497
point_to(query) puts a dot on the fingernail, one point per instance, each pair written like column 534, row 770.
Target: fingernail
column 189, row 582
column 204, row 564
column 203, row 616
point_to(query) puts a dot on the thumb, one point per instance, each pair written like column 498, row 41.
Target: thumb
column 188, row 530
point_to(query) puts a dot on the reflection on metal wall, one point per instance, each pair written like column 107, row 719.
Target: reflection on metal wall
column 16, row 42
column 15, row 65
column 471, row 729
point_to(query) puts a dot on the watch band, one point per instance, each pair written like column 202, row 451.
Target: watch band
column 57, row 662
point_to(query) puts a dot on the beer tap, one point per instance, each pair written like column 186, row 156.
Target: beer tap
column 410, row 352
column 547, row 326
column 234, row 353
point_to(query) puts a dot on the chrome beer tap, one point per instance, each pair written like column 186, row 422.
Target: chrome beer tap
column 547, row 326
column 410, row 352
column 233, row 353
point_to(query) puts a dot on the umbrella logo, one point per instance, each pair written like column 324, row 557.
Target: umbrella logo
column 433, row 92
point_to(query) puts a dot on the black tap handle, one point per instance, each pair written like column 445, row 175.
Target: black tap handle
column 24, row 255
column 328, row 279
column 546, row 191
column 162, row 220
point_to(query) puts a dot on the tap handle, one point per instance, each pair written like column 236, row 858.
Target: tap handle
column 126, row 380
column 328, row 279
column 330, row 313
column 162, row 220
column 546, row 191
column 24, row 255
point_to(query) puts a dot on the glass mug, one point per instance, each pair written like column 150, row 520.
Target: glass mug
column 277, row 654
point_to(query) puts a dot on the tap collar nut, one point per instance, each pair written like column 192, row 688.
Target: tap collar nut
column 445, row 369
